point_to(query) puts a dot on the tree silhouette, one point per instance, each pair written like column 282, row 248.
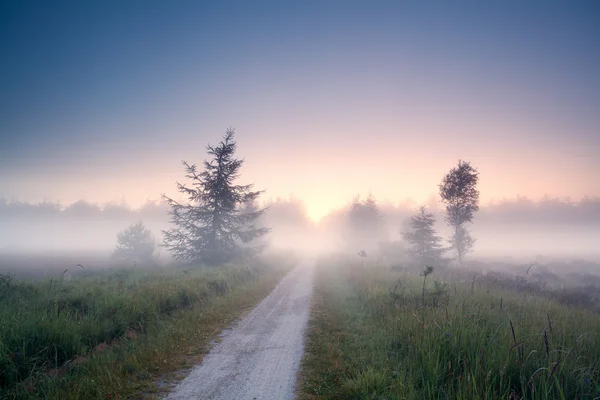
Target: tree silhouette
column 211, row 229
column 136, row 245
column 426, row 247
column 364, row 224
column 458, row 191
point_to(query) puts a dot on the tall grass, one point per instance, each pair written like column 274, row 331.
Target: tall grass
column 51, row 325
column 468, row 341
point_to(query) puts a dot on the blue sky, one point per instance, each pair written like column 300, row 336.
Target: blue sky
column 103, row 100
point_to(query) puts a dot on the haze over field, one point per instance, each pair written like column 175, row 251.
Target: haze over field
column 101, row 102
column 511, row 228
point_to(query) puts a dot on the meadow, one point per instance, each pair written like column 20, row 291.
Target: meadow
column 119, row 333
column 375, row 333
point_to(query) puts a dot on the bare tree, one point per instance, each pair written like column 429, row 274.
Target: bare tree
column 458, row 191
column 210, row 228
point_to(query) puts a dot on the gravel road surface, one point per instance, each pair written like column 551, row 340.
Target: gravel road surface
column 258, row 358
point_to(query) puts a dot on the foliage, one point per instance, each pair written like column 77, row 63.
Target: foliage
column 364, row 224
column 136, row 245
column 426, row 247
column 210, row 228
column 458, row 191
column 462, row 242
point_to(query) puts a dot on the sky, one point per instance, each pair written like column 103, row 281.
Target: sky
column 102, row 101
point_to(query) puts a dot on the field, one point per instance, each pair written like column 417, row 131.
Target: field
column 120, row 333
column 375, row 333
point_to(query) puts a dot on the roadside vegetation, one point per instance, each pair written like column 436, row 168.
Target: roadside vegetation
column 375, row 333
column 113, row 335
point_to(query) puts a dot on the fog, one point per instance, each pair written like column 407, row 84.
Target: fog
column 329, row 105
column 517, row 230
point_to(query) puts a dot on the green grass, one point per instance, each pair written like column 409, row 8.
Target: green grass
column 112, row 336
column 370, row 337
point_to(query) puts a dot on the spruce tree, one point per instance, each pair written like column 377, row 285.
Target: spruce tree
column 426, row 246
column 212, row 228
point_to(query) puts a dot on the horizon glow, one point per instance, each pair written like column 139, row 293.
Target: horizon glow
column 102, row 102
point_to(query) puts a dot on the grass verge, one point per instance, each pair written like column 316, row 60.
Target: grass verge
column 121, row 335
column 373, row 334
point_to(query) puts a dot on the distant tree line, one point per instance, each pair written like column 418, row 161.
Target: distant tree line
column 81, row 210
column 515, row 211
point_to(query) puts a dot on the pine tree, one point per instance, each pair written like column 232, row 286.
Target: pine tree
column 211, row 228
column 250, row 208
column 426, row 247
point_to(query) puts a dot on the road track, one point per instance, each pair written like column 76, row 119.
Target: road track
column 258, row 357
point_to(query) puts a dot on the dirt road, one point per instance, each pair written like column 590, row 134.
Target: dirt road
column 258, row 358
